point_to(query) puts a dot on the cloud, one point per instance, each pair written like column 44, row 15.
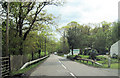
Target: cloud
column 86, row 11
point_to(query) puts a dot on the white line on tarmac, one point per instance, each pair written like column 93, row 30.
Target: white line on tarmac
column 73, row 75
column 60, row 62
column 67, row 70
column 64, row 66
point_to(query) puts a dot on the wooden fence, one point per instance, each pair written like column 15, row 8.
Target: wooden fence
column 17, row 61
column 89, row 60
column 5, row 66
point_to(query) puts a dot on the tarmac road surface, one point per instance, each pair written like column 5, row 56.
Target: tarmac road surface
column 60, row 66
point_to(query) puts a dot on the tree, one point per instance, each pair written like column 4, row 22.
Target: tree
column 71, row 35
column 115, row 31
column 92, row 54
column 26, row 17
column 100, row 41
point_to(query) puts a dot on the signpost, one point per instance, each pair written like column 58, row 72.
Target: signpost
column 75, row 51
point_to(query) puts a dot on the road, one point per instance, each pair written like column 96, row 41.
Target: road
column 60, row 66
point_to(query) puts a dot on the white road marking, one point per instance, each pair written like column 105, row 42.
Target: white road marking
column 67, row 70
column 73, row 75
column 64, row 66
column 60, row 62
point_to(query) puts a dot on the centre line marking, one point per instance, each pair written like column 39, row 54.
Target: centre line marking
column 63, row 66
column 73, row 75
column 60, row 62
column 67, row 70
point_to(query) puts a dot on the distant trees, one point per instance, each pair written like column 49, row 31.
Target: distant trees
column 77, row 36
column 101, row 37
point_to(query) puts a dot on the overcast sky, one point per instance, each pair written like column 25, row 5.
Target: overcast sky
column 85, row 11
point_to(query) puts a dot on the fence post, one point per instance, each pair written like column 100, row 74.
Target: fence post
column 92, row 63
column 9, row 65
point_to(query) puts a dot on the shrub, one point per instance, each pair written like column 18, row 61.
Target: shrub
column 115, row 56
column 93, row 54
column 76, row 57
column 70, row 57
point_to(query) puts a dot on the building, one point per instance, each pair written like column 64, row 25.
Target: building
column 115, row 48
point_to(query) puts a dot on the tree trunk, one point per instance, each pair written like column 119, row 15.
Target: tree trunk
column 39, row 53
column 32, row 56
column 72, row 51
column 81, row 51
column 21, row 48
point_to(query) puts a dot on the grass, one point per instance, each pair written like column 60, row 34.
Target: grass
column 62, row 55
column 101, row 57
column 27, row 68
column 113, row 66
column 84, row 56
column 103, row 60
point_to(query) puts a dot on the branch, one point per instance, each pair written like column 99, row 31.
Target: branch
column 42, row 5
column 37, row 12
column 29, row 9
column 26, row 23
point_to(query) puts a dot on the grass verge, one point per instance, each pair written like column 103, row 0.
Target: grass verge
column 103, row 60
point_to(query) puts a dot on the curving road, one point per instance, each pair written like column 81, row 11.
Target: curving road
column 60, row 66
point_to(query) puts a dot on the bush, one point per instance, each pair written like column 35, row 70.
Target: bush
column 70, row 57
column 29, row 56
column 76, row 57
column 93, row 54
column 115, row 56
column 36, row 55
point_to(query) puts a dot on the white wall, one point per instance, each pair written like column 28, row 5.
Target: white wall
column 115, row 48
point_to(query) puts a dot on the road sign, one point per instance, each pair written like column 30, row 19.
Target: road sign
column 75, row 51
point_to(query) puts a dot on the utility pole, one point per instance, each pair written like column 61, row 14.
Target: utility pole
column 7, row 30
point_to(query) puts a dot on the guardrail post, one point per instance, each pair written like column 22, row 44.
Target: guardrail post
column 92, row 63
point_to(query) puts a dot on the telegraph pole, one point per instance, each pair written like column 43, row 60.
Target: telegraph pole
column 7, row 30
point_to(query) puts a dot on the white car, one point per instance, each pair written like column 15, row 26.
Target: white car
column 55, row 53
